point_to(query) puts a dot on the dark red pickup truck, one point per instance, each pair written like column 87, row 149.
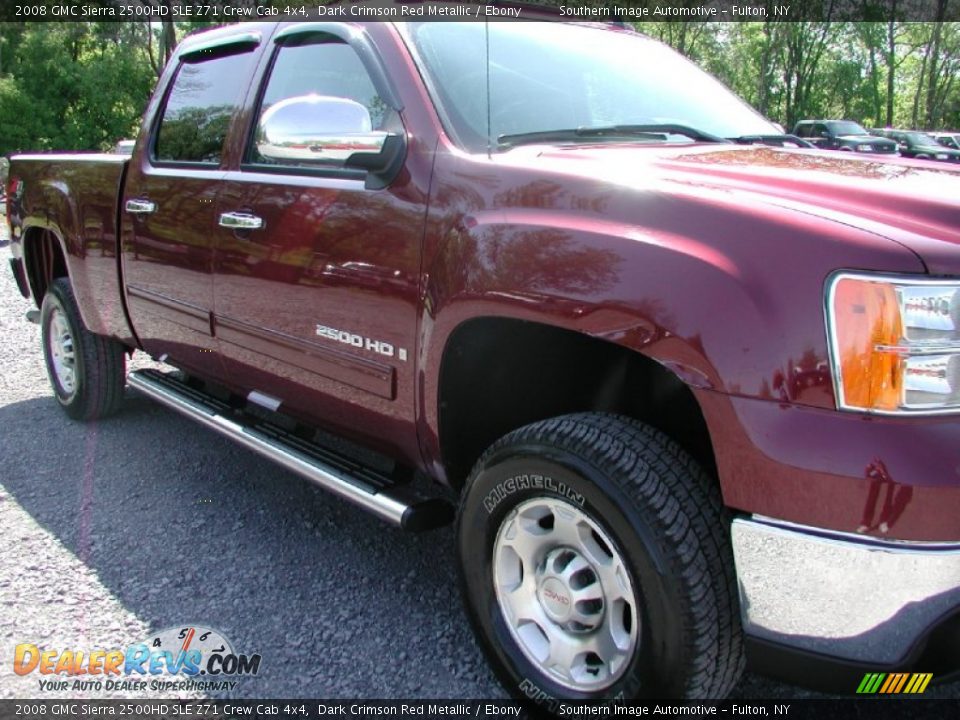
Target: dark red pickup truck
column 698, row 397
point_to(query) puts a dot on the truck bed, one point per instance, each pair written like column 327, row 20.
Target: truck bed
column 77, row 195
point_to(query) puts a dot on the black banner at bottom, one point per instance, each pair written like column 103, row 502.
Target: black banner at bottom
column 877, row 708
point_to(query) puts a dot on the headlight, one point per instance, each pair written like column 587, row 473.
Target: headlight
column 894, row 344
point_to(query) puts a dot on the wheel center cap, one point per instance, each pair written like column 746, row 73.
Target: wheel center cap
column 555, row 599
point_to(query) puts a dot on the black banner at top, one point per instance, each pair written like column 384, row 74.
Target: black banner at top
column 399, row 10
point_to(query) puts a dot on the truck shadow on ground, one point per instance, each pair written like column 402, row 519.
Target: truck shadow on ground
column 183, row 526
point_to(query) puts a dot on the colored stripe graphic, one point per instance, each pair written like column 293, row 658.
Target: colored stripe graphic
column 894, row 683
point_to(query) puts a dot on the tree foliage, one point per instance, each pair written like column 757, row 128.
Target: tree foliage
column 885, row 72
column 74, row 85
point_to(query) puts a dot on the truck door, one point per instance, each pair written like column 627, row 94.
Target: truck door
column 317, row 271
column 168, row 206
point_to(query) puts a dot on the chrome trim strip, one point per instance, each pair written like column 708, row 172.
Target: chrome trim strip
column 838, row 594
column 380, row 504
column 832, row 338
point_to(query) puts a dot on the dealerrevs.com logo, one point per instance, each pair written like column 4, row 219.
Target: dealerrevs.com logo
column 175, row 659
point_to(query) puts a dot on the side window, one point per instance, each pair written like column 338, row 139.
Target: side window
column 204, row 96
column 803, row 130
column 321, row 65
column 819, row 129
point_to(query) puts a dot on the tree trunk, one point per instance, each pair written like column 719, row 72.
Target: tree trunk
column 891, row 60
column 933, row 70
column 915, row 115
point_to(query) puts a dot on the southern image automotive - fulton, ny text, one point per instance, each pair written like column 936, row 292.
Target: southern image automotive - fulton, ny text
column 565, row 709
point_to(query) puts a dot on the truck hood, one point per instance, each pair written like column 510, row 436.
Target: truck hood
column 913, row 203
column 872, row 139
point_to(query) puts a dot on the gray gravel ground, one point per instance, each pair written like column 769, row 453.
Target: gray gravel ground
column 145, row 521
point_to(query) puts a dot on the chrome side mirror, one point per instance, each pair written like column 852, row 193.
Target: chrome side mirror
column 317, row 130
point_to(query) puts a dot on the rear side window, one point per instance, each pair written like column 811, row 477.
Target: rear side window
column 203, row 99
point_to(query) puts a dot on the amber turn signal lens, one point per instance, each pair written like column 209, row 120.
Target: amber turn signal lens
column 866, row 315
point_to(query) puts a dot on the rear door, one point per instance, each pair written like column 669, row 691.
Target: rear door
column 821, row 137
column 316, row 305
column 169, row 203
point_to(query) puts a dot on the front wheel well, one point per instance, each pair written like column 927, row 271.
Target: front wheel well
column 500, row 374
column 44, row 261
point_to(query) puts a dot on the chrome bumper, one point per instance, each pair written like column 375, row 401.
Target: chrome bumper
column 842, row 595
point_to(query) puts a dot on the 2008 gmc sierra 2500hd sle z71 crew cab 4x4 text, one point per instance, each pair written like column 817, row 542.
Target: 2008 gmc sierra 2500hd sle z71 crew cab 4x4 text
column 698, row 396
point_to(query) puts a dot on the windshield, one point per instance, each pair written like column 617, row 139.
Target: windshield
column 551, row 76
column 847, row 127
column 919, row 138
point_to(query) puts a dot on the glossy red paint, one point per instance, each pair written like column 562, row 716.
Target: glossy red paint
column 77, row 203
column 168, row 264
column 711, row 260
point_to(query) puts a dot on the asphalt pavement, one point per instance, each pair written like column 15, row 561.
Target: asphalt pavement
column 118, row 529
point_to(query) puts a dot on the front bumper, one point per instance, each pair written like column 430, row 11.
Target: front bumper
column 853, row 598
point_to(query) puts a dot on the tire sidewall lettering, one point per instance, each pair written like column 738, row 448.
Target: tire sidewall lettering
column 531, row 482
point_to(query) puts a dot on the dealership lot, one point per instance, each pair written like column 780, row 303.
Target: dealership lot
column 142, row 522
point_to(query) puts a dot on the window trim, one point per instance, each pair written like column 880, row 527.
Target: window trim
column 192, row 54
column 244, row 45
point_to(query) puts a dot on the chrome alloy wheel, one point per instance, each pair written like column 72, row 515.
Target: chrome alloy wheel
column 565, row 594
column 62, row 352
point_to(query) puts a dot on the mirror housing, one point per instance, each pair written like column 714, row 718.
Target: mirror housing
column 317, row 131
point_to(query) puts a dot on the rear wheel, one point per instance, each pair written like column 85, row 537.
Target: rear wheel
column 87, row 371
column 595, row 564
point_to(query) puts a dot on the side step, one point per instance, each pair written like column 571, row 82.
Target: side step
column 370, row 489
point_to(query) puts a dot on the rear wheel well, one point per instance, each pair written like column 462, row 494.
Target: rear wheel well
column 44, row 261
column 501, row 374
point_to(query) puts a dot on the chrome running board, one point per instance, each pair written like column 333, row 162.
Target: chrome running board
column 371, row 489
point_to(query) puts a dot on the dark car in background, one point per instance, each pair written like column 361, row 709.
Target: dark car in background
column 842, row 135
column 948, row 139
column 919, row 145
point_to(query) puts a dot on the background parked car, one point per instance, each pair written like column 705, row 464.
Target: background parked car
column 920, row 145
column 950, row 140
column 842, row 135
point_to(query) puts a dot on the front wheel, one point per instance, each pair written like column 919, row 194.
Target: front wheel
column 86, row 371
column 595, row 564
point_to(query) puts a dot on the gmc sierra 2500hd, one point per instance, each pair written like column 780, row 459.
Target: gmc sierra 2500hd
column 698, row 396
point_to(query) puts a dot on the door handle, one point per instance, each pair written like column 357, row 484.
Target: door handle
column 240, row 221
column 140, row 207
